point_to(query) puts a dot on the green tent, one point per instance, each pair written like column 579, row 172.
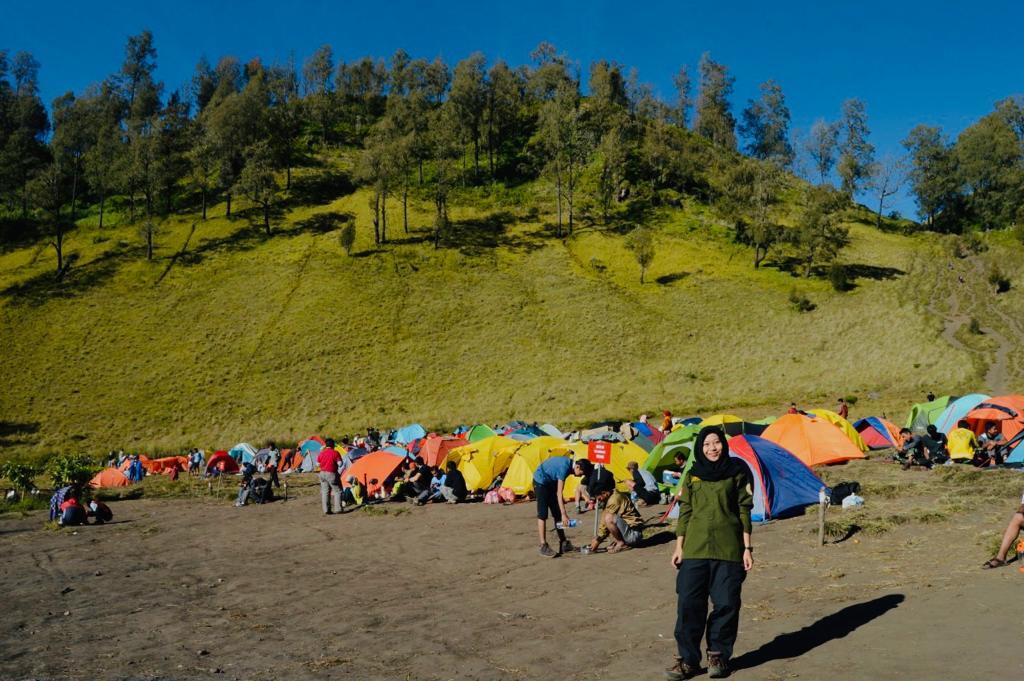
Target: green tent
column 479, row 432
column 662, row 454
column 926, row 413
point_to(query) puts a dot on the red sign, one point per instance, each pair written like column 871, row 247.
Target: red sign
column 599, row 451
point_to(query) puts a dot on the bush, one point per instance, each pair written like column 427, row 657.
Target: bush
column 72, row 469
column 800, row 302
column 347, row 237
column 21, row 475
column 998, row 279
column 598, row 265
column 850, row 399
column 839, row 277
column 974, row 327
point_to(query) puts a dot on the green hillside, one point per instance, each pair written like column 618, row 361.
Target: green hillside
column 228, row 334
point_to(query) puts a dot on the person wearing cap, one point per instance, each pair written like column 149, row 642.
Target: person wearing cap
column 548, row 487
column 712, row 555
column 620, row 520
column 643, row 484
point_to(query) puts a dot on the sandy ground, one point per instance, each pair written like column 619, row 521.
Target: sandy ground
column 179, row 590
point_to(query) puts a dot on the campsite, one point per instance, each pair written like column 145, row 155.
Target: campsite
column 527, row 341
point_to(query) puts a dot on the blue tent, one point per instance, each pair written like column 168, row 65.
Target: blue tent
column 957, row 410
column 690, row 420
column 393, row 449
column 243, row 452
column 874, row 433
column 526, row 433
column 404, row 436
column 783, row 484
column 642, row 428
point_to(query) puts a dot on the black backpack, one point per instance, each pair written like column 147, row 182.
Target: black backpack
column 261, row 491
column 841, row 491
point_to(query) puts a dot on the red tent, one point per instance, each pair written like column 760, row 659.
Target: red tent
column 434, row 449
column 223, row 462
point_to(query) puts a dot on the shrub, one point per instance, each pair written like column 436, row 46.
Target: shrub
column 850, row 399
column 839, row 277
column 347, row 237
column 72, row 469
column 800, row 302
column 21, row 475
column 974, row 327
column 598, row 265
column 998, row 279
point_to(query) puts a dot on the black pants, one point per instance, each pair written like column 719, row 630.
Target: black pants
column 650, row 497
column 696, row 581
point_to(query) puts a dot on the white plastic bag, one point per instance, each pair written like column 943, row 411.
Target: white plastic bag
column 852, row 501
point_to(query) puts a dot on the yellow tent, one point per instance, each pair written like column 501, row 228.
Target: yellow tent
column 482, row 461
column 528, row 455
column 843, row 425
column 720, row 420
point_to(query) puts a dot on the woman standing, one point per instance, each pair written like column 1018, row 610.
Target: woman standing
column 714, row 535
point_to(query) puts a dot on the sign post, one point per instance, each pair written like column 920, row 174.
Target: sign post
column 599, row 453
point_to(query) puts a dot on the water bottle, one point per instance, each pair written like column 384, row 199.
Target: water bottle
column 573, row 522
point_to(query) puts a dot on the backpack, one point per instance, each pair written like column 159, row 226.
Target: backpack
column 841, row 491
column 261, row 491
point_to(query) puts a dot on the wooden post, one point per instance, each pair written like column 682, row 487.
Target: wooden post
column 822, row 501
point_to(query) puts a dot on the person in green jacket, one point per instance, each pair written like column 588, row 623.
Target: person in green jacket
column 712, row 555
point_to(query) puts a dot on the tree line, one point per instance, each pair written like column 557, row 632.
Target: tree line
column 425, row 130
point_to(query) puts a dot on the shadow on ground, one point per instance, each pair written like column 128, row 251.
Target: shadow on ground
column 828, row 628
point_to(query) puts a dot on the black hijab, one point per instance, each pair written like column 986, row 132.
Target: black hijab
column 713, row 471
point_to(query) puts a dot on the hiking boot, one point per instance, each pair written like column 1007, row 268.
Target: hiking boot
column 566, row 547
column 717, row 668
column 680, row 671
column 547, row 551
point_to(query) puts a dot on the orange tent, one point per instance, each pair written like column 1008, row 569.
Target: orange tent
column 1006, row 410
column 435, row 448
column 375, row 466
column 289, row 460
column 812, row 440
column 153, row 466
column 143, row 459
column 109, row 477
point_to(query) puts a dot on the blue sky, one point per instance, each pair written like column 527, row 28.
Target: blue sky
column 942, row 63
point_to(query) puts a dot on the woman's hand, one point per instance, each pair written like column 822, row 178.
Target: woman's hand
column 748, row 559
column 677, row 556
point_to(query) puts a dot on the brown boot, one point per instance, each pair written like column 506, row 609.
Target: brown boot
column 717, row 666
column 680, row 671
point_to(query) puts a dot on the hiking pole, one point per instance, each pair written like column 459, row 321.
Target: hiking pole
column 286, row 490
column 821, row 516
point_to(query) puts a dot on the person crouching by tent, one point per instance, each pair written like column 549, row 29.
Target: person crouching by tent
column 643, row 485
column 1013, row 530
column 454, row 487
column 328, row 460
column 621, row 521
column 962, row 442
column 548, row 485
column 593, row 481
column 99, row 511
column 712, row 555
column 72, row 512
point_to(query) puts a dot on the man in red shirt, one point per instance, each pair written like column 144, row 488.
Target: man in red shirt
column 843, row 409
column 329, row 460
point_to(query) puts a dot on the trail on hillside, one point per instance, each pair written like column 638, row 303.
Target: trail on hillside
column 969, row 299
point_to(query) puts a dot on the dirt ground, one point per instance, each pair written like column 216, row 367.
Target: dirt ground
column 194, row 590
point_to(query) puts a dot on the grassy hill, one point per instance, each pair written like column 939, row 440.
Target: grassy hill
column 231, row 335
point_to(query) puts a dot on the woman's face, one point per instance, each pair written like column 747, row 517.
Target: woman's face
column 712, row 447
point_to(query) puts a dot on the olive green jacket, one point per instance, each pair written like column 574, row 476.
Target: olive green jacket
column 713, row 516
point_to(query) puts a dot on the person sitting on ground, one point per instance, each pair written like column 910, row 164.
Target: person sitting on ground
column 989, row 452
column 937, row 443
column 962, row 442
column 643, row 484
column 621, row 521
column 71, row 510
column 99, row 511
column 355, row 493
column 911, row 450
column 330, row 482
column 420, row 481
column 454, row 488
column 245, row 486
column 1013, row 530
column 548, row 486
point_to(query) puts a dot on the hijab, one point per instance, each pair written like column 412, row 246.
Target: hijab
column 713, row 471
